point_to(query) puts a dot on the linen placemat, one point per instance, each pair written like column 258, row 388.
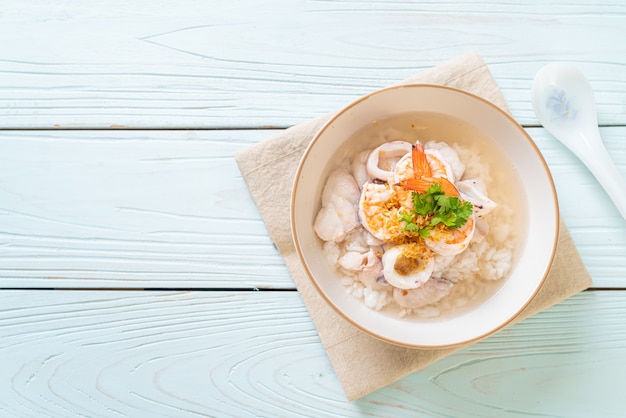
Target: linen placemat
column 364, row 363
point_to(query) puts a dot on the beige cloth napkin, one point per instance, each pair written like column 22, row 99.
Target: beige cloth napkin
column 364, row 363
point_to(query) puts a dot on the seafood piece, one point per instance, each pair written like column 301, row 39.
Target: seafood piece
column 383, row 159
column 374, row 281
column 439, row 167
column 359, row 168
column 475, row 191
column 421, row 168
column 340, row 184
column 379, row 209
column 408, row 266
column 442, row 240
column 423, row 176
column 403, row 169
column 451, row 241
column 422, row 184
column 353, row 261
column 328, row 224
column 430, row 292
column 449, row 155
column 368, row 268
column 339, row 212
column 359, row 239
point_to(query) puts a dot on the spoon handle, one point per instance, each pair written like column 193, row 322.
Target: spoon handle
column 597, row 159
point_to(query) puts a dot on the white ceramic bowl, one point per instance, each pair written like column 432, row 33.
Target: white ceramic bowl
column 538, row 213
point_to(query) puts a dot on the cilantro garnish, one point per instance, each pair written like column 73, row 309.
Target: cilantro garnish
column 433, row 208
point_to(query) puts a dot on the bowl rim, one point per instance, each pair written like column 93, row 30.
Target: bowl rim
column 301, row 258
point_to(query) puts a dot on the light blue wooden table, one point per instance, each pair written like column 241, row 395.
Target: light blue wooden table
column 136, row 275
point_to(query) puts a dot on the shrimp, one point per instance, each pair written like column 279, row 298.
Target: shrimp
column 408, row 266
column 451, row 241
column 442, row 240
column 449, row 155
column 379, row 209
column 423, row 175
column 437, row 164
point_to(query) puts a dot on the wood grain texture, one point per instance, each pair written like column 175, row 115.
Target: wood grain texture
column 164, row 354
column 275, row 63
column 131, row 209
column 114, row 208
column 169, row 209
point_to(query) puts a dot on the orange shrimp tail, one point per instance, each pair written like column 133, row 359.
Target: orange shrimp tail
column 421, row 168
column 419, row 185
column 448, row 188
column 422, row 184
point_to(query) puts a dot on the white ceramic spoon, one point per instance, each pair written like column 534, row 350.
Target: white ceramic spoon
column 564, row 103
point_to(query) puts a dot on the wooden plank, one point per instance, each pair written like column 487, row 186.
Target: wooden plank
column 130, row 353
column 169, row 209
column 548, row 365
column 276, row 63
column 131, row 209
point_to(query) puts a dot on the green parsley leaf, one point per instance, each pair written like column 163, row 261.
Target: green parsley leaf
column 424, row 233
column 438, row 208
column 408, row 218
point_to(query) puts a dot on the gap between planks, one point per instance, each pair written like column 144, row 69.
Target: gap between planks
column 158, row 289
column 153, row 128
column 207, row 128
column 209, row 289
